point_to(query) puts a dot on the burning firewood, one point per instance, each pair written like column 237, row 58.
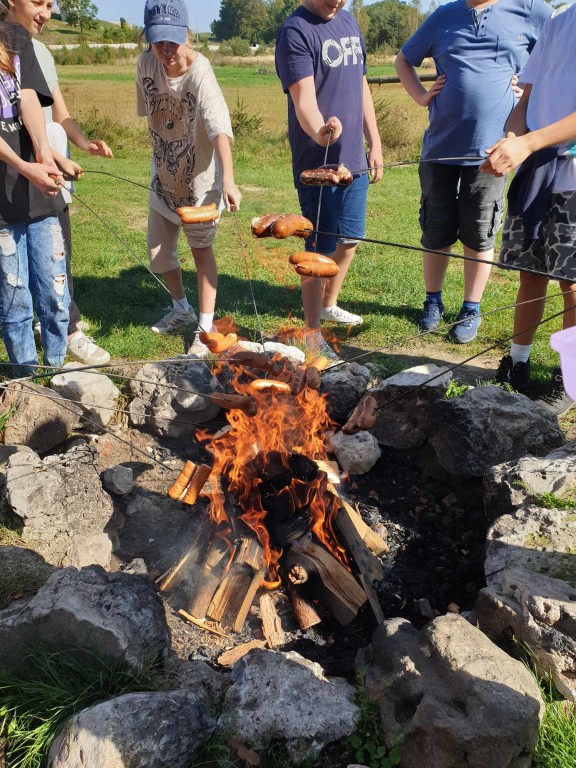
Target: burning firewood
column 271, row 624
column 304, row 612
column 297, row 574
column 209, row 626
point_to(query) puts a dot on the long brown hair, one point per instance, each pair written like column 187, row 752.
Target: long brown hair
column 6, row 55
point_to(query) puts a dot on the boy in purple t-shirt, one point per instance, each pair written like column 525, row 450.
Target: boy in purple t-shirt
column 479, row 47
column 320, row 60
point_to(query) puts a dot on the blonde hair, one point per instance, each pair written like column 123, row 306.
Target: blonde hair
column 6, row 55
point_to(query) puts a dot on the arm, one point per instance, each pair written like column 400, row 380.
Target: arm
column 412, row 84
column 303, row 94
column 371, row 133
column 230, row 192
column 70, row 169
column 73, row 131
column 38, row 174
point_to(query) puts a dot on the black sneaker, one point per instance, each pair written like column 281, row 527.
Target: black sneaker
column 516, row 375
column 555, row 399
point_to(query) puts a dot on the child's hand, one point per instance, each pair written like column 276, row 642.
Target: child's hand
column 506, row 155
column 375, row 159
column 433, row 91
column 71, row 170
column 232, row 196
column 46, row 178
column 98, row 147
column 515, row 87
column 330, row 132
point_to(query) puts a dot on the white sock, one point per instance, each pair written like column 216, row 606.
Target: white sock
column 520, row 352
column 205, row 321
column 181, row 305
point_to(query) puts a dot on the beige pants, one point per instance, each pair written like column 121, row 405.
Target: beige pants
column 163, row 240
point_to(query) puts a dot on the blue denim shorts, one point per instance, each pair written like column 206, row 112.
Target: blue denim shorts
column 342, row 214
column 459, row 202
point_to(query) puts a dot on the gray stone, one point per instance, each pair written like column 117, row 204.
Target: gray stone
column 510, row 485
column 199, row 676
column 94, row 392
column 457, row 699
column 171, row 397
column 115, row 614
column 344, row 386
column 357, row 453
column 41, row 419
column 60, row 506
column 404, row 423
column 531, row 588
column 270, row 348
column 118, row 480
column 277, row 698
column 155, row 730
column 487, row 426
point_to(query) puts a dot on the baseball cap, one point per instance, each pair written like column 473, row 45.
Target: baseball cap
column 166, row 20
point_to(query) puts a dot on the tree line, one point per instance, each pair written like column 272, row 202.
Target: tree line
column 386, row 24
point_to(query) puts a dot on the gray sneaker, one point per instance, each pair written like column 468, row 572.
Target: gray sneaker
column 555, row 399
column 198, row 348
column 85, row 349
column 174, row 321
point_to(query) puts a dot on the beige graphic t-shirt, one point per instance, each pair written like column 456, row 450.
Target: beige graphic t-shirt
column 184, row 115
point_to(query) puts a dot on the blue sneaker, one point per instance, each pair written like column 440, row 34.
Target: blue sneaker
column 467, row 329
column 431, row 315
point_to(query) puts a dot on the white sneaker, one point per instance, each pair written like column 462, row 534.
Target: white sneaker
column 84, row 349
column 175, row 320
column 198, row 348
column 339, row 315
column 37, row 331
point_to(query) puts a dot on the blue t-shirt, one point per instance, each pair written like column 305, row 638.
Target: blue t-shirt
column 332, row 52
column 479, row 52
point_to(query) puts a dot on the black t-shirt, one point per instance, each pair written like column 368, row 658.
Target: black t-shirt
column 19, row 200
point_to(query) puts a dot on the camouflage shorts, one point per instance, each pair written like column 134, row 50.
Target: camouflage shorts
column 554, row 251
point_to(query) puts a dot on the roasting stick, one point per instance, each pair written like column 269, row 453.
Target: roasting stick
column 402, row 163
column 320, row 194
column 249, row 276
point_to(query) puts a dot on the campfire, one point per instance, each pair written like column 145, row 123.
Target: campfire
column 274, row 517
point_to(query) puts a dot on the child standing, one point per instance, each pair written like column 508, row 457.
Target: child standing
column 192, row 165
column 540, row 227
column 321, row 62
column 32, row 251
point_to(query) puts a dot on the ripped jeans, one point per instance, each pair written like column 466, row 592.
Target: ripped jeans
column 33, row 276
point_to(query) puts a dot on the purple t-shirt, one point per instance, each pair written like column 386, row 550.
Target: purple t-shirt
column 332, row 52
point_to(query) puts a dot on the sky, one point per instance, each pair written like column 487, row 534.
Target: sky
column 201, row 12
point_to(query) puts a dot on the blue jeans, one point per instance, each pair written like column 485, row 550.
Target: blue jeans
column 33, row 276
column 342, row 214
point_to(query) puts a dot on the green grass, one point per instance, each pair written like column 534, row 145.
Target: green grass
column 556, row 746
column 58, row 684
column 121, row 299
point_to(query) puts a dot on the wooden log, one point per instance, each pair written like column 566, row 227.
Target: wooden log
column 229, row 658
column 202, row 624
column 209, row 577
column 304, row 612
column 271, row 624
column 229, row 600
column 372, row 540
column 248, row 599
column 175, row 575
column 337, row 587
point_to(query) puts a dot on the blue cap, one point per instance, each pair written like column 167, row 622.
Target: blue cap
column 166, row 20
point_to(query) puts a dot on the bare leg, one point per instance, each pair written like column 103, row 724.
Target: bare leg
column 343, row 256
column 569, row 291
column 312, row 291
column 476, row 275
column 207, row 276
column 533, row 289
column 173, row 281
column 434, row 268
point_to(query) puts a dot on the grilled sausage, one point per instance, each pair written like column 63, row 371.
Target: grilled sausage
column 196, row 214
column 363, row 416
column 269, row 385
column 327, row 176
column 228, row 401
column 317, row 269
column 217, row 342
column 291, row 224
column 298, row 380
column 309, row 256
column 260, row 225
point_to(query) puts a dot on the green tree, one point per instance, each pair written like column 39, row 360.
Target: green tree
column 240, row 18
column 79, row 13
column 388, row 25
column 361, row 16
column 277, row 13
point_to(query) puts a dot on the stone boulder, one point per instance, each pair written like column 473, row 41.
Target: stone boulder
column 404, row 423
column 95, row 393
column 457, row 699
column 344, row 387
column 116, row 614
column 513, row 484
column 155, row 730
column 40, row 418
column 357, row 453
column 531, row 588
column 487, row 426
column 60, row 507
column 118, row 480
column 171, row 397
column 281, row 697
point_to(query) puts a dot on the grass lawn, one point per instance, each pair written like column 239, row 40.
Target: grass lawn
column 121, row 299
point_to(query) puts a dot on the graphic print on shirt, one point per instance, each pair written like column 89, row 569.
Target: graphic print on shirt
column 9, row 94
column 336, row 53
column 171, row 125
